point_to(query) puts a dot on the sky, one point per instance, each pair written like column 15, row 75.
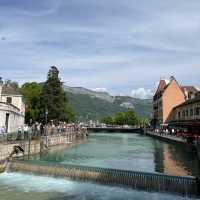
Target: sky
column 123, row 47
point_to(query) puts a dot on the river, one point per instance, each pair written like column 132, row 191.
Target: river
column 117, row 150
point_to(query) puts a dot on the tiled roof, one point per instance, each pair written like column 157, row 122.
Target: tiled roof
column 8, row 90
column 189, row 89
column 161, row 86
column 190, row 101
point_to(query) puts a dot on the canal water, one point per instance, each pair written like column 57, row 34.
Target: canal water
column 117, row 150
column 130, row 152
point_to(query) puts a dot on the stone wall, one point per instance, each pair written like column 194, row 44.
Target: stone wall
column 6, row 149
column 44, row 143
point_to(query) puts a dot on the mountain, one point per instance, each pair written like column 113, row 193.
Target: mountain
column 143, row 107
column 89, row 104
column 80, row 90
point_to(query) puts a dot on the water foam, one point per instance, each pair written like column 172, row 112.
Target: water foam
column 26, row 183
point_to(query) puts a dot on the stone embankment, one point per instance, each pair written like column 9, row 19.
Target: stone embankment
column 32, row 148
column 169, row 138
column 52, row 138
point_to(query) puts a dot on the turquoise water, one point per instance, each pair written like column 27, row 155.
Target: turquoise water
column 130, row 152
column 122, row 151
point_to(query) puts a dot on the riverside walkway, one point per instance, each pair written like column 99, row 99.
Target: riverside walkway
column 171, row 138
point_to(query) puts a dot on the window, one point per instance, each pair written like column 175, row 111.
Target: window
column 186, row 113
column 183, row 113
column 191, row 112
column 9, row 100
column 179, row 114
column 197, row 111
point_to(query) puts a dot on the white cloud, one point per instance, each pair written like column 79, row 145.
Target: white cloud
column 142, row 93
column 100, row 89
column 152, row 38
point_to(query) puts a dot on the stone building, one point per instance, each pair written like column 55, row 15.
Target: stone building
column 187, row 114
column 12, row 109
column 167, row 97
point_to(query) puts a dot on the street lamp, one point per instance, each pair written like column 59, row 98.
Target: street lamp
column 46, row 114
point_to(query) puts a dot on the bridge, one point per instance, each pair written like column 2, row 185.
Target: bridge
column 188, row 186
column 115, row 129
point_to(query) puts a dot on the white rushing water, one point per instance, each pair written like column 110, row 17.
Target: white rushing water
column 19, row 186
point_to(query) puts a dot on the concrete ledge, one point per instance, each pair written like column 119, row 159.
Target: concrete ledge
column 167, row 138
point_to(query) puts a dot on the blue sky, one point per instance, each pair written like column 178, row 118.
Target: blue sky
column 123, row 47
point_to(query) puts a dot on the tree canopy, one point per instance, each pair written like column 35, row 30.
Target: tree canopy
column 125, row 118
column 48, row 99
column 32, row 95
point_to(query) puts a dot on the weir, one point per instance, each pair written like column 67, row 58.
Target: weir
column 137, row 180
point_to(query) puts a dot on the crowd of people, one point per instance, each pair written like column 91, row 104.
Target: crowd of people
column 38, row 129
column 189, row 136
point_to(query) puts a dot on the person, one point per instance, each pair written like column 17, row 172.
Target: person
column 26, row 130
column 19, row 133
column 1, row 130
column 198, row 185
column 173, row 131
column 41, row 129
column 38, row 128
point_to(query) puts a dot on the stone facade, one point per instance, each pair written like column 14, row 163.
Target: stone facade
column 188, row 112
column 12, row 109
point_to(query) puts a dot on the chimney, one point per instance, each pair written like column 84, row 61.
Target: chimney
column 186, row 94
column 1, row 87
column 172, row 78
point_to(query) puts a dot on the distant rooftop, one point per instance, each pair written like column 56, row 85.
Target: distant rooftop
column 190, row 101
column 191, row 89
column 163, row 86
column 9, row 90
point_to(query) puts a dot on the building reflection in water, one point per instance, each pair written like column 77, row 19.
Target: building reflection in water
column 176, row 159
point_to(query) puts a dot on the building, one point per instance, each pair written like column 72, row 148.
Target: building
column 12, row 109
column 187, row 114
column 167, row 97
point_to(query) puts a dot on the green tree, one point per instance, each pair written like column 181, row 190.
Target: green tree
column 131, row 118
column 32, row 96
column 123, row 118
column 54, row 98
column 71, row 116
column 119, row 118
column 108, row 120
column 143, row 121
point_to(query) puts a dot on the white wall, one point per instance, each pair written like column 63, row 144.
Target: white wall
column 16, row 119
column 16, row 101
